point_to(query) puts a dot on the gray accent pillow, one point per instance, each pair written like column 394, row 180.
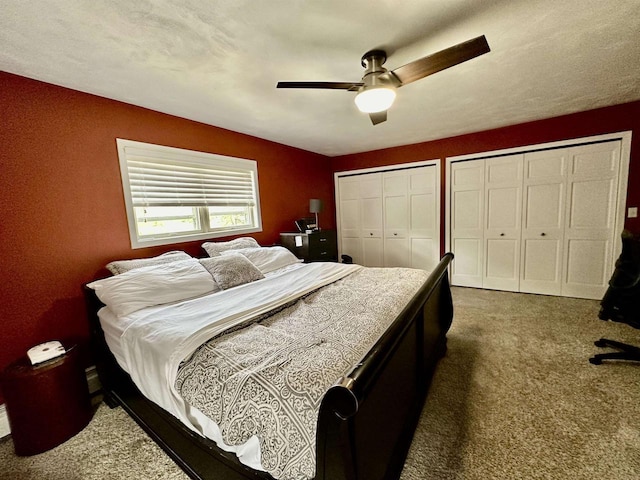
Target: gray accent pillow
column 120, row 266
column 214, row 249
column 231, row 270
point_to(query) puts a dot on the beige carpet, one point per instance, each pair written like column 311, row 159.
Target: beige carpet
column 515, row 398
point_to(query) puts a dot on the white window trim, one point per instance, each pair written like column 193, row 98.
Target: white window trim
column 164, row 151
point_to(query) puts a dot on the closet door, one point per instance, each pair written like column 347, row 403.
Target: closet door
column 371, row 219
column 411, row 218
column 424, row 217
column 590, row 219
column 543, row 210
column 350, row 221
column 467, row 222
column 396, row 219
column 391, row 218
column 503, row 203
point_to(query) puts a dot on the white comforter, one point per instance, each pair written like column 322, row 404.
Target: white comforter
column 156, row 339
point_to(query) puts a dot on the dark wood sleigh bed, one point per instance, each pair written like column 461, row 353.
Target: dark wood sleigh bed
column 389, row 386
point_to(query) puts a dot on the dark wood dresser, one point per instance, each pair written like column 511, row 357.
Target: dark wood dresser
column 320, row 246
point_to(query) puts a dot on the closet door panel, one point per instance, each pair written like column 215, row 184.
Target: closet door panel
column 396, row 219
column 370, row 185
column 352, row 246
column 349, row 206
column 422, row 253
column 396, row 215
column 466, row 271
column 503, row 204
column 591, row 204
column 587, row 259
column 350, row 218
column 543, row 221
column 371, row 217
column 541, row 259
column 544, row 206
column 503, row 210
column 422, row 214
column 372, row 252
column 590, row 219
column 396, row 252
column 503, row 255
column 424, row 217
column 371, row 232
column 467, row 222
column 467, row 211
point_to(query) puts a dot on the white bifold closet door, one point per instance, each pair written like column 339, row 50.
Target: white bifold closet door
column 361, row 219
column 467, row 223
column 589, row 236
column 391, row 218
column 538, row 222
column 410, row 218
column 502, row 214
column 544, row 196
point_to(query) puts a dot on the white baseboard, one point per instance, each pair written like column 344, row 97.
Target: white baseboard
column 4, row 422
column 92, row 381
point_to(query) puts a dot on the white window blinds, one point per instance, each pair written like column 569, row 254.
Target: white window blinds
column 219, row 181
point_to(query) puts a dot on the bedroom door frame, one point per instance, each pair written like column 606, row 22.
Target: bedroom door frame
column 623, row 177
column 437, row 163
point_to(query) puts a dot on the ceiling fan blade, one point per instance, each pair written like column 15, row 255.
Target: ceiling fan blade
column 352, row 86
column 378, row 117
column 441, row 60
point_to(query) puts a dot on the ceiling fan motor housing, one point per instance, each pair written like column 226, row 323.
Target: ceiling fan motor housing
column 375, row 75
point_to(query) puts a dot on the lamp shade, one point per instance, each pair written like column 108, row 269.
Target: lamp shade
column 315, row 205
column 376, row 99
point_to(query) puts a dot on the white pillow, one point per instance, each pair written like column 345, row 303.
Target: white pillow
column 214, row 249
column 121, row 266
column 153, row 285
column 268, row 259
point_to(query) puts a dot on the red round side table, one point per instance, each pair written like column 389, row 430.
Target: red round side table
column 47, row 403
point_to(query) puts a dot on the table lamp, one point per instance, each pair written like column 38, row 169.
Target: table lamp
column 315, row 206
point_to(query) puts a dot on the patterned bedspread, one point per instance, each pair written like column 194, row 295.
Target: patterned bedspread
column 268, row 379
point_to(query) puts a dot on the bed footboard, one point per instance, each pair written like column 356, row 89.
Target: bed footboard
column 367, row 419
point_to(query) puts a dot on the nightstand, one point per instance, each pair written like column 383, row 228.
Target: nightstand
column 320, row 246
column 47, row 403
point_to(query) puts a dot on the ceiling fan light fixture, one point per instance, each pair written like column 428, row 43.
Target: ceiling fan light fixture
column 376, row 99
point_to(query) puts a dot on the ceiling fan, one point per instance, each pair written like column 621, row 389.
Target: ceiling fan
column 377, row 90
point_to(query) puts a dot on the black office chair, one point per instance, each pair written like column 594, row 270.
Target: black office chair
column 621, row 302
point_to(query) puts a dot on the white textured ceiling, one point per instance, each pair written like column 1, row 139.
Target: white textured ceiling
column 218, row 61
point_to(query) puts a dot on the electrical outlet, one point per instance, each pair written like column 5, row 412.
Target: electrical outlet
column 632, row 212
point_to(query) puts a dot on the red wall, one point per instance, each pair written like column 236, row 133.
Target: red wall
column 63, row 213
column 613, row 119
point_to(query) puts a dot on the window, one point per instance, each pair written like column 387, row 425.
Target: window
column 174, row 195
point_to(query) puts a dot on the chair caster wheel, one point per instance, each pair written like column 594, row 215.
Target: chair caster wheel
column 595, row 361
column 600, row 343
